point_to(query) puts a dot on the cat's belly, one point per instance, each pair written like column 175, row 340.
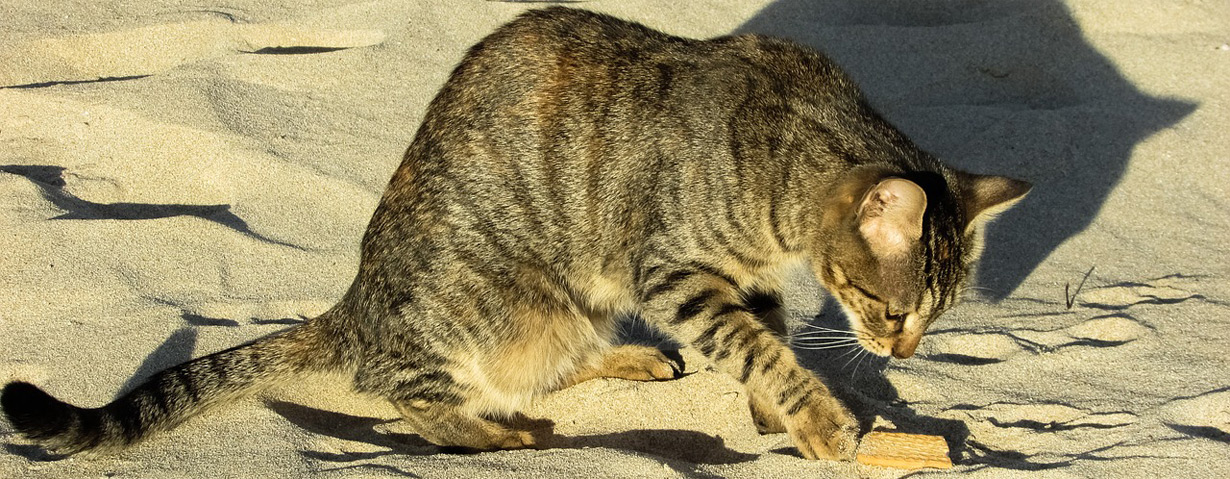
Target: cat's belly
column 538, row 354
column 607, row 296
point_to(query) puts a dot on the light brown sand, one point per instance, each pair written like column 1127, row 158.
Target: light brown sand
column 208, row 195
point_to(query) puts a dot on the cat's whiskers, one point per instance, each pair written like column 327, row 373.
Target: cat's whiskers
column 824, row 339
column 861, row 356
column 821, row 337
column 859, row 352
column 826, row 345
column 854, row 350
column 829, row 346
column 822, row 328
column 827, row 333
column 844, row 333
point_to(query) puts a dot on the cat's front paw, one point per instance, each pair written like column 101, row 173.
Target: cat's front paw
column 824, row 429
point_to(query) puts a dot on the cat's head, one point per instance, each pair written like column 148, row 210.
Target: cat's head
column 899, row 250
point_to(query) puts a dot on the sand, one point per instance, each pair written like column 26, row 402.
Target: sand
column 178, row 177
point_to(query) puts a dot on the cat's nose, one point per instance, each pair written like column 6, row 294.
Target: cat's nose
column 905, row 344
column 911, row 332
column 901, row 352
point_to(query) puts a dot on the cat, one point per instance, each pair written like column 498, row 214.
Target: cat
column 576, row 169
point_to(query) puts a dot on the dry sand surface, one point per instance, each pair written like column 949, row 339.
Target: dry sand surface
column 181, row 176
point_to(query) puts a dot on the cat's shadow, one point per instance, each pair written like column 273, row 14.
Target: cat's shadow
column 674, row 445
column 1006, row 87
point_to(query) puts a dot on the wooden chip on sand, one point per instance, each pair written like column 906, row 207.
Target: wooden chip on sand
column 903, row 451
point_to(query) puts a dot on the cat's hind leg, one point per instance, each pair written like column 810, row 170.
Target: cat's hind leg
column 517, row 345
column 447, row 425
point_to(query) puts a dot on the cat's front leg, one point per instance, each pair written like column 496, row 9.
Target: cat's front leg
column 703, row 307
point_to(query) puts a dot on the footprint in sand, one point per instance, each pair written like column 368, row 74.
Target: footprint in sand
column 1110, row 330
column 139, row 52
column 981, row 348
column 1038, row 428
column 972, row 348
column 1205, row 415
column 1164, row 290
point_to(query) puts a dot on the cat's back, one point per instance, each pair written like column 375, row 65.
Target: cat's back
column 597, row 134
column 558, row 98
column 585, row 36
column 564, row 62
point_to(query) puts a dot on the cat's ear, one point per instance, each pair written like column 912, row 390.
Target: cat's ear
column 890, row 216
column 986, row 196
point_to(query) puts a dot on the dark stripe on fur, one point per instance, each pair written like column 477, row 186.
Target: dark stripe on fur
column 705, row 342
column 865, row 291
column 799, row 403
column 158, row 393
column 789, row 392
column 749, row 360
column 35, row 413
column 127, row 411
column 772, row 361
column 693, row 306
column 668, row 284
column 730, row 308
column 724, row 343
column 186, row 381
column 775, row 212
column 437, row 386
column 711, row 271
column 749, row 337
column 89, row 429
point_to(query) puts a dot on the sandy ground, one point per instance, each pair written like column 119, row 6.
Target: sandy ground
column 177, row 177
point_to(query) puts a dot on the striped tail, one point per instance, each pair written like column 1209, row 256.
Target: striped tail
column 167, row 399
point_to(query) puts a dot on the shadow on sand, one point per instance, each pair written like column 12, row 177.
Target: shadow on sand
column 50, row 181
column 686, row 447
column 1006, row 87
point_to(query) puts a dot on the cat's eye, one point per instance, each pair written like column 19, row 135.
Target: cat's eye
column 895, row 321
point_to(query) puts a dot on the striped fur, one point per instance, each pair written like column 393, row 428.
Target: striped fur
column 576, row 169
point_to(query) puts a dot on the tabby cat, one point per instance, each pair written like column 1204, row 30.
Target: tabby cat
column 577, row 169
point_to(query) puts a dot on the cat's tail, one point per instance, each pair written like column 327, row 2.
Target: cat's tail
column 169, row 397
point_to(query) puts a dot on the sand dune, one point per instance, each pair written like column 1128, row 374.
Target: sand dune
column 178, row 178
